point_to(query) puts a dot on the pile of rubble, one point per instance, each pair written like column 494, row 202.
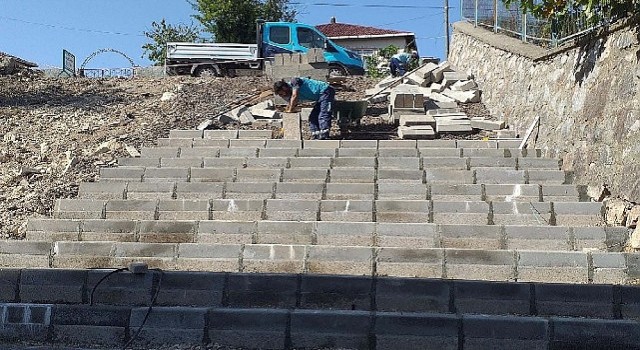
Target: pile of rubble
column 11, row 65
column 429, row 101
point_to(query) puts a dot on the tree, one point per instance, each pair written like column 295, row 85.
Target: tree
column 162, row 33
column 592, row 8
column 235, row 20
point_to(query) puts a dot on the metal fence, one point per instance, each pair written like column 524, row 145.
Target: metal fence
column 551, row 32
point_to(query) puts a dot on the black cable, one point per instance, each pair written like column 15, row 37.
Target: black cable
column 146, row 316
column 93, row 290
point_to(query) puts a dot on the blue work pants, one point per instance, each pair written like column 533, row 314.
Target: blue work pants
column 321, row 115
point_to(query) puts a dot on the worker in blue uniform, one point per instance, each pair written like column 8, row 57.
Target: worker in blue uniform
column 400, row 61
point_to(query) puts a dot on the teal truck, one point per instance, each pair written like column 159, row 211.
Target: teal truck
column 224, row 59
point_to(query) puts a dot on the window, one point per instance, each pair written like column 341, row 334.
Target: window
column 279, row 34
column 310, row 39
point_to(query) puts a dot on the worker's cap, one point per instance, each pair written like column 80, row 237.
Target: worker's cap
column 414, row 54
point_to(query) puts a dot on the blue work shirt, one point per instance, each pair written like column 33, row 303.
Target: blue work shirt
column 403, row 57
column 308, row 89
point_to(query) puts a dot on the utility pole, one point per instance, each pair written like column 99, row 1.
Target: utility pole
column 446, row 28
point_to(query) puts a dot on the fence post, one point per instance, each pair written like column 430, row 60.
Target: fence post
column 524, row 26
column 495, row 16
column 475, row 20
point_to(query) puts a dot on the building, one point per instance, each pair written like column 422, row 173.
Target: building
column 366, row 40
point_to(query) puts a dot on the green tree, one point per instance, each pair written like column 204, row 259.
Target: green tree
column 235, row 20
column 161, row 33
column 592, row 8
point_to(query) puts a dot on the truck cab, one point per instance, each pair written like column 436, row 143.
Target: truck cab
column 286, row 37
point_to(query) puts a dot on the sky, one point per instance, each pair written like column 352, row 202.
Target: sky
column 38, row 30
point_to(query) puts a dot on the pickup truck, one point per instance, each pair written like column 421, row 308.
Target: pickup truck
column 224, row 59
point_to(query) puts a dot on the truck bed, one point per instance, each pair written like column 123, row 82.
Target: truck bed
column 212, row 51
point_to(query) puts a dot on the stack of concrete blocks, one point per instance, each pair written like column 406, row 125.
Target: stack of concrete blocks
column 310, row 64
column 261, row 114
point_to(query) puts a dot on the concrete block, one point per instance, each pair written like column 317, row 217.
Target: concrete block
column 350, row 175
column 199, row 190
column 335, row 292
column 357, row 152
column 211, row 143
column 306, row 175
column 247, row 143
column 261, row 290
column 538, row 163
column 417, row 132
column 467, row 212
column 159, row 152
column 484, row 152
column 590, row 238
column 358, row 143
column 287, row 190
column 489, row 162
column 101, row 190
column 436, row 175
column 561, row 193
column 402, row 211
column 284, row 232
column 258, row 174
column 277, row 152
column 416, row 331
column 579, row 214
column 400, row 175
column 328, row 328
column 324, row 144
column 436, row 152
column 166, row 174
column 489, row 125
column 354, row 162
column 254, row 134
column 461, row 85
column 487, row 265
column 466, row 236
column 175, row 142
column 492, row 298
column 512, row 193
column 350, row 191
column 208, row 257
column 181, row 162
column 410, row 262
column 412, row 295
column 564, row 300
column 9, row 285
column 596, row 334
column 226, row 232
column 201, row 152
column 169, row 231
column 552, row 267
column 522, row 213
column 273, row 258
column 310, row 162
column 505, row 332
column 402, row 191
column 173, row 325
column 438, row 73
column 122, row 289
column 538, row 238
column 236, row 162
column 25, row 321
column 346, row 210
column 237, row 209
column 397, row 152
column 52, row 286
column 122, row 174
column 238, row 152
column 340, row 260
column 417, row 119
column 280, row 143
column 188, row 134
column 51, row 230
column 96, row 325
column 452, row 163
column 131, row 209
column 79, row 209
column 415, row 235
column 149, row 190
column 456, row 192
column 396, row 144
column 345, row 233
column 610, row 268
column 137, row 162
column 248, row 328
column 290, row 210
column 471, row 96
column 499, row 176
column 629, row 306
column 200, row 289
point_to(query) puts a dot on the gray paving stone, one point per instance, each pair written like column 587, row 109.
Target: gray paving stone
column 79, row 209
column 289, row 190
column 196, row 162
column 204, row 152
column 492, row 162
column 51, row 230
column 354, row 162
column 238, row 152
column 462, row 212
column 273, row 258
column 237, row 162
column 317, row 152
column 499, row 176
column 551, row 238
column 436, row 144
column 410, row 262
column 284, row 232
column 492, row 298
column 220, row 134
column 491, row 144
column 183, row 209
column 398, row 152
column 357, row 152
column 199, row 190
column 512, row 193
column 346, row 210
column 349, row 175
column 122, row 174
column 610, row 268
column 182, row 325
column 416, row 331
column 352, row 191
column 345, row 233
column 522, row 213
column 505, row 332
column 322, row 328
column 237, row 209
column 310, row 162
column 277, row 152
column 108, row 230
column 166, row 174
column 415, row 235
column 130, row 209
column 246, row 143
column 226, row 232
column 308, row 175
column 208, row 257
column 159, row 152
column 340, row 260
column 214, row 143
column 552, row 267
column 102, row 190
column 487, row 265
column 402, row 211
column 248, row 328
column 467, row 236
column 212, row 174
column 150, row 190
column 456, row 192
column 547, row 177
column 292, row 210
column 253, row 175
column 452, row 163
column 579, row 214
column 403, row 191
column 400, row 175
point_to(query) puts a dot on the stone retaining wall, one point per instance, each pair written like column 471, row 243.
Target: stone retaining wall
column 587, row 96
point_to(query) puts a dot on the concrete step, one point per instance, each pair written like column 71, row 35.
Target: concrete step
column 381, row 210
column 583, row 267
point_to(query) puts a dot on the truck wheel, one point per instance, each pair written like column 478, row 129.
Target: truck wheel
column 206, row 72
column 337, row 71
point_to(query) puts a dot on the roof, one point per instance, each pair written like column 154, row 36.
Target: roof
column 345, row 30
column 19, row 60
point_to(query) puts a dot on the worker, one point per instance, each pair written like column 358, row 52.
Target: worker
column 400, row 62
column 306, row 89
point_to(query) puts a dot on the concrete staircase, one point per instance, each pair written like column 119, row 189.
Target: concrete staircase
column 342, row 243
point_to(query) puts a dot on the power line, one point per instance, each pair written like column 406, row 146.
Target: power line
column 406, row 7
column 68, row 28
column 410, row 19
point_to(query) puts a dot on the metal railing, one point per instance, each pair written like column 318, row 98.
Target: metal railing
column 574, row 22
column 107, row 72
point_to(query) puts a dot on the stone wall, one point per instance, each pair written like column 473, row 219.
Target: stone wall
column 587, row 96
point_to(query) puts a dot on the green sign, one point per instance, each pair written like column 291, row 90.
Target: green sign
column 68, row 63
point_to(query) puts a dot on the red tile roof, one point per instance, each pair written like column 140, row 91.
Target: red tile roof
column 333, row 30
